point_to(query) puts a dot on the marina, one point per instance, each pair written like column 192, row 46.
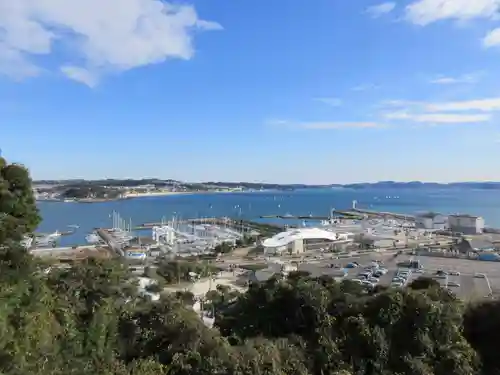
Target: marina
column 286, row 242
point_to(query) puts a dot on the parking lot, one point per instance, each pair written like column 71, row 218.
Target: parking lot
column 465, row 285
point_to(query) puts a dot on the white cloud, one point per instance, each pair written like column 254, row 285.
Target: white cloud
column 80, row 75
column 492, row 39
column 481, row 105
column 447, row 80
column 97, row 36
column 438, row 118
column 424, row 12
column 477, row 105
column 335, row 102
column 376, row 11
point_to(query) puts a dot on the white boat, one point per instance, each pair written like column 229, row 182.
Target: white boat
column 92, row 238
column 54, row 236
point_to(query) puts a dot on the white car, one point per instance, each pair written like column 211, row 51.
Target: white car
column 454, row 273
column 480, row 275
column 452, row 283
column 373, row 280
column 397, row 284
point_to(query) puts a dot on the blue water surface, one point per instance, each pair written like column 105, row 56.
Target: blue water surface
column 251, row 205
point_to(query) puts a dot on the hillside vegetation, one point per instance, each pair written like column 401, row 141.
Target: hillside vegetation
column 88, row 320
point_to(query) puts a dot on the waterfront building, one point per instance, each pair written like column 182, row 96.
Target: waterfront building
column 466, row 224
column 431, row 221
column 296, row 241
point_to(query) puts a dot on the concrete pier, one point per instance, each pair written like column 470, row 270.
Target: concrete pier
column 110, row 241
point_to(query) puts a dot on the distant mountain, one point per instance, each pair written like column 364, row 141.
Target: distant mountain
column 267, row 186
column 110, row 182
column 424, row 185
column 364, row 185
column 489, row 185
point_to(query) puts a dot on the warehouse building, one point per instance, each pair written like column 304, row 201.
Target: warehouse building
column 466, row 224
column 431, row 221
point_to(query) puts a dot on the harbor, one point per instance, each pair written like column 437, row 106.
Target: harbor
column 277, row 243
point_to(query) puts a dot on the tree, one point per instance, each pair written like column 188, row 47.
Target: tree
column 424, row 283
column 18, row 211
column 482, row 329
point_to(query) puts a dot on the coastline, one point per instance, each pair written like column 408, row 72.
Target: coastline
column 137, row 195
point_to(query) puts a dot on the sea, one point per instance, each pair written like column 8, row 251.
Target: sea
column 62, row 216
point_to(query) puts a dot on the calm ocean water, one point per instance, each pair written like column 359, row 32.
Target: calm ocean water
column 58, row 216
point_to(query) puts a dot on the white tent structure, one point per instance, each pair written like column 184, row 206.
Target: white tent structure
column 295, row 240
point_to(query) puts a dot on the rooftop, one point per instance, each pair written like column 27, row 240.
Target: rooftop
column 284, row 238
column 428, row 215
column 465, row 216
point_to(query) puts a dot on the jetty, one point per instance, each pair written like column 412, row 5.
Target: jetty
column 110, row 241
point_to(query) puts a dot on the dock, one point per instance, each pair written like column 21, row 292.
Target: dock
column 355, row 213
column 383, row 214
column 344, row 214
column 110, row 241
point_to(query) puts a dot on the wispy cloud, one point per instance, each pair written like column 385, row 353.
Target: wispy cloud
column 424, row 12
column 480, row 105
column 325, row 125
column 474, row 105
column 438, row 118
column 492, row 39
column 463, row 79
column 376, row 11
column 365, row 87
column 335, row 102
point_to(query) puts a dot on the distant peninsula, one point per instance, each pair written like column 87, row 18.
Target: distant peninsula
column 113, row 189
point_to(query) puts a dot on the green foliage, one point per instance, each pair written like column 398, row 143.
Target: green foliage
column 88, row 319
column 424, row 283
column 18, row 212
column 91, row 191
column 224, row 248
column 179, row 271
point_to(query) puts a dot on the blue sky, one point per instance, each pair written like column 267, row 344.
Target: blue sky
column 323, row 91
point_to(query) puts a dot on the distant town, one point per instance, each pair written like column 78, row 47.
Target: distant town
column 88, row 191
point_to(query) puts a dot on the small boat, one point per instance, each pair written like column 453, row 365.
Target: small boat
column 92, row 238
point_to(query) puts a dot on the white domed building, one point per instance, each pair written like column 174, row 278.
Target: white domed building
column 299, row 240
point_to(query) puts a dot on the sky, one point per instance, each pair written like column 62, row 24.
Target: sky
column 286, row 91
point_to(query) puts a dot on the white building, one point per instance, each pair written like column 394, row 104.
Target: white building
column 431, row 221
column 296, row 241
column 466, row 224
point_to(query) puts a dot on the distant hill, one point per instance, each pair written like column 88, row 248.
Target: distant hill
column 489, row 185
column 364, row 185
column 424, row 185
